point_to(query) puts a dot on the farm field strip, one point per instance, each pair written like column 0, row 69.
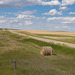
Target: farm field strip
column 43, row 39
column 68, row 37
column 61, row 33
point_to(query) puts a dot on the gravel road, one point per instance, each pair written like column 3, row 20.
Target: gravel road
column 46, row 40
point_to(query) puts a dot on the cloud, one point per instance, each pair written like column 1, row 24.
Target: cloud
column 72, row 13
column 22, row 3
column 2, row 21
column 63, row 8
column 2, row 17
column 59, row 27
column 63, row 20
column 68, row 22
column 28, row 22
column 18, row 3
column 27, row 12
column 15, row 21
column 53, row 2
column 27, row 15
column 21, row 16
column 53, row 12
column 68, row 2
column 1, row 2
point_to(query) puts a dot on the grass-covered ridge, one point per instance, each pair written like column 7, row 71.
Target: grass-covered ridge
column 26, row 52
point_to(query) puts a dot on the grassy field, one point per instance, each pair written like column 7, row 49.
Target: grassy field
column 63, row 38
column 26, row 52
column 49, row 32
column 68, row 37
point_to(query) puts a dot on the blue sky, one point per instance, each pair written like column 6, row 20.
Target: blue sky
column 51, row 15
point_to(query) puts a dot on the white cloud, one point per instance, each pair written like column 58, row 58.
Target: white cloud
column 2, row 21
column 18, row 3
column 27, row 12
column 25, row 15
column 68, row 22
column 21, row 3
column 63, row 19
column 2, row 17
column 1, row 2
column 63, row 8
column 68, row 2
column 72, row 13
column 52, row 2
column 53, row 12
column 21, row 16
column 59, row 27
column 28, row 22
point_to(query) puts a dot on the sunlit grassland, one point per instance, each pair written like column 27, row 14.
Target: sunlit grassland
column 57, row 37
column 26, row 52
column 63, row 38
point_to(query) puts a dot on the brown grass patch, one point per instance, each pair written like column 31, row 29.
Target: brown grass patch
column 50, row 32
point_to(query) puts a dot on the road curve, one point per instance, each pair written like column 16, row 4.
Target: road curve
column 46, row 40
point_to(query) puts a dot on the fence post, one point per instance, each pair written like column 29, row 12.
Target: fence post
column 15, row 67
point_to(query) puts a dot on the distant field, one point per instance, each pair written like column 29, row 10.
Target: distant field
column 26, row 52
column 51, row 32
column 68, row 37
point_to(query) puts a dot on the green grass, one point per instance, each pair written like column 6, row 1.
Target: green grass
column 63, row 49
column 68, row 39
column 53, row 35
column 26, row 52
column 27, row 33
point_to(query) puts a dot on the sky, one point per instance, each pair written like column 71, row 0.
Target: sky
column 48, row 15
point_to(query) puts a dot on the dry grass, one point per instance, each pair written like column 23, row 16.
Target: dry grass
column 68, row 37
column 50, row 32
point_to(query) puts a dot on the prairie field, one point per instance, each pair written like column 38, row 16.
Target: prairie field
column 26, row 52
column 68, row 37
column 50, row 32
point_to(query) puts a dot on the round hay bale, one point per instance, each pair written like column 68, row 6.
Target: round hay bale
column 47, row 50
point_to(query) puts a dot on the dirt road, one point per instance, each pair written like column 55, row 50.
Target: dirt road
column 46, row 40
